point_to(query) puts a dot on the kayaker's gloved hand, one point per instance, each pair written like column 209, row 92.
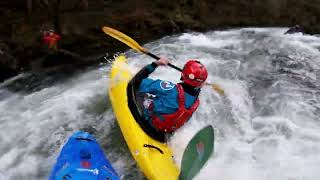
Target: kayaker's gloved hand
column 163, row 61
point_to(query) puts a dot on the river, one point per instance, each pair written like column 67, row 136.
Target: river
column 267, row 126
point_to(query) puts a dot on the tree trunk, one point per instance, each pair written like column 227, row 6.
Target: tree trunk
column 56, row 16
column 29, row 8
column 84, row 4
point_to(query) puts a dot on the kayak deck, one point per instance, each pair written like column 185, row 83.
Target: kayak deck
column 82, row 158
column 153, row 157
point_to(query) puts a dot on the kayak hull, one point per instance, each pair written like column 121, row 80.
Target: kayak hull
column 82, row 158
column 154, row 158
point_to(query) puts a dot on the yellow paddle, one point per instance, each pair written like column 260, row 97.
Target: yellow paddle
column 134, row 45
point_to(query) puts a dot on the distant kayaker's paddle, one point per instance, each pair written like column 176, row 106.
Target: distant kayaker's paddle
column 134, row 45
column 197, row 153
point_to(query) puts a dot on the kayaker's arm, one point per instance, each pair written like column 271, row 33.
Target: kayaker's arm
column 146, row 71
column 142, row 74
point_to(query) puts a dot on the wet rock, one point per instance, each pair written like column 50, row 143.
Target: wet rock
column 7, row 63
column 295, row 29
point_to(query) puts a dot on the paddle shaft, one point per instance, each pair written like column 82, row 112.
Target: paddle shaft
column 157, row 58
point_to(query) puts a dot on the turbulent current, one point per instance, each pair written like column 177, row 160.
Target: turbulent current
column 267, row 126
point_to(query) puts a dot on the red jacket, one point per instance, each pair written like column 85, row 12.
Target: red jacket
column 51, row 39
column 171, row 122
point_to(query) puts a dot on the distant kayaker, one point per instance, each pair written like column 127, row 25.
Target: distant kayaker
column 170, row 105
column 51, row 39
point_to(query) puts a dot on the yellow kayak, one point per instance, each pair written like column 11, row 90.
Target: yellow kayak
column 154, row 158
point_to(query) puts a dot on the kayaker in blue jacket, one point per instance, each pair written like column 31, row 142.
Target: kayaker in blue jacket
column 170, row 105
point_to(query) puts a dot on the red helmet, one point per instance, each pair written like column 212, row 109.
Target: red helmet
column 194, row 73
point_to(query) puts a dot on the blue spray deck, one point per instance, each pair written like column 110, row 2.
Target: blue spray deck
column 82, row 158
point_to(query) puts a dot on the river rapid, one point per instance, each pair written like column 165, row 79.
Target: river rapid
column 266, row 127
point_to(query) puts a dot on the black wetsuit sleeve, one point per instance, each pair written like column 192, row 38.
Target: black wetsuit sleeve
column 142, row 74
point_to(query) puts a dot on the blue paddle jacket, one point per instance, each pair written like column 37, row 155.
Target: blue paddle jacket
column 165, row 92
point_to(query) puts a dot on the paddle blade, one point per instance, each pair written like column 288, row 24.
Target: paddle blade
column 218, row 89
column 123, row 38
column 197, row 153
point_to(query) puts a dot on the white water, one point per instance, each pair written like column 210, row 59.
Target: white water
column 267, row 127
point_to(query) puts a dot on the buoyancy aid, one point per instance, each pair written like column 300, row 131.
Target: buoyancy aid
column 171, row 122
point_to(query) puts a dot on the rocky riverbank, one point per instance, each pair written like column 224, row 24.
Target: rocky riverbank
column 79, row 22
